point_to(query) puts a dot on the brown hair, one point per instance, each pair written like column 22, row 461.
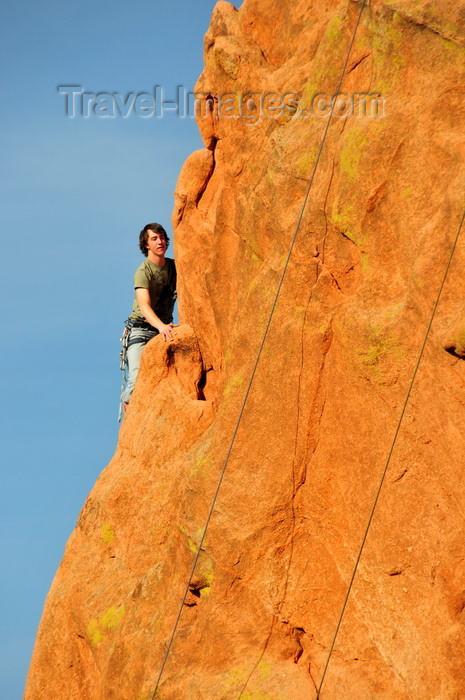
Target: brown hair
column 157, row 228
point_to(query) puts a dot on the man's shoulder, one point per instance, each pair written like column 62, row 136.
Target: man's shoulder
column 150, row 270
column 143, row 274
column 143, row 266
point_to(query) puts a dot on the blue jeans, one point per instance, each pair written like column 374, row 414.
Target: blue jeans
column 138, row 339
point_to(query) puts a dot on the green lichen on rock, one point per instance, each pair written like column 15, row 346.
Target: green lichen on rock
column 192, row 546
column 202, row 461
column 270, row 176
column 451, row 50
column 107, row 533
column 255, row 677
column 207, row 575
column 323, row 72
column 94, row 633
column 193, row 540
column 264, row 669
column 380, row 351
column 386, row 40
column 229, row 62
column 312, row 88
column 306, row 162
column 208, row 572
column 352, row 152
column 109, row 620
column 333, row 34
column 344, row 218
column 234, row 383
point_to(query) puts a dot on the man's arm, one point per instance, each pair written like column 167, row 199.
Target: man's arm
column 165, row 329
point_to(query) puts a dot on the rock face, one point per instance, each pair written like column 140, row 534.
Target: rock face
column 383, row 211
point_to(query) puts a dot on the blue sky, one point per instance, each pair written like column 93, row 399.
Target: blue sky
column 76, row 193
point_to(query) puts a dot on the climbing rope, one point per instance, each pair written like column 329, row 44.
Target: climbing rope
column 260, row 349
column 391, row 450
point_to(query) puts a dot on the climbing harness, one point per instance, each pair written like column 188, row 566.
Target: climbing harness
column 257, row 359
column 126, row 341
column 123, row 363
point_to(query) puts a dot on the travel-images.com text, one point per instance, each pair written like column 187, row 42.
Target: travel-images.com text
column 249, row 107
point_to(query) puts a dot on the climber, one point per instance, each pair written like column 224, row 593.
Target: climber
column 152, row 310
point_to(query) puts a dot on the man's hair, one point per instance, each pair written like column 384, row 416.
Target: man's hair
column 143, row 236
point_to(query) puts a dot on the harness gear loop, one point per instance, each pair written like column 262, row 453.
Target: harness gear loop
column 124, row 340
column 123, row 363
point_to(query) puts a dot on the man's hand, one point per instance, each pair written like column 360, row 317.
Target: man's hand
column 167, row 330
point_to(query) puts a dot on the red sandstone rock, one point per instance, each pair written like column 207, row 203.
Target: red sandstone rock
column 384, row 208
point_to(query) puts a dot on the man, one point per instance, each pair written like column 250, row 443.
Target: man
column 152, row 310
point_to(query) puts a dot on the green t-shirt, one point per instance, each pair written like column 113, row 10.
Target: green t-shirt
column 161, row 283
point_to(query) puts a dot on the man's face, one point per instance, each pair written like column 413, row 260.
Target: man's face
column 156, row 242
